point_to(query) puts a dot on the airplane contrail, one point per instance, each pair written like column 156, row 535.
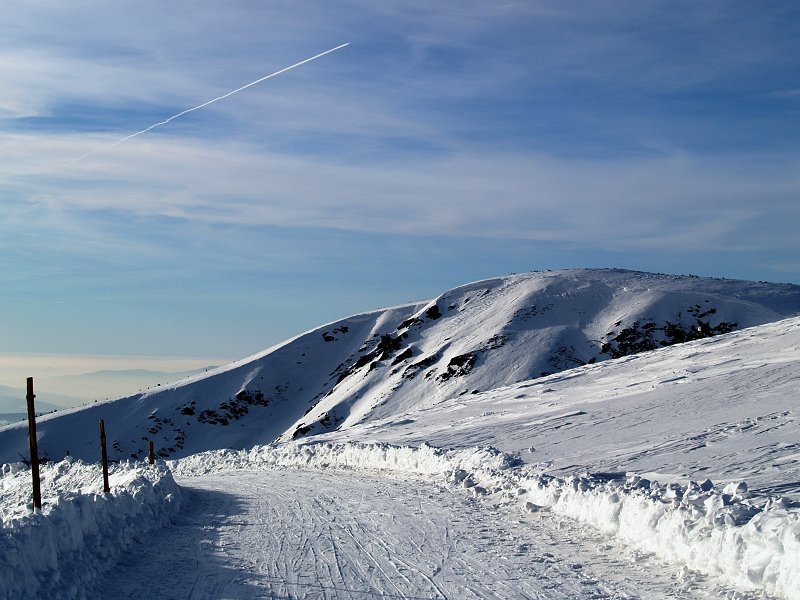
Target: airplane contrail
column 204, row 104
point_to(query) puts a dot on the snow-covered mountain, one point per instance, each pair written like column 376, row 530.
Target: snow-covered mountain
column 387, row 363
column 683, row 458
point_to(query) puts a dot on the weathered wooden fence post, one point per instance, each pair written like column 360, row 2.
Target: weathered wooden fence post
column 106, row 488
column 151, row 457
column 34, row 446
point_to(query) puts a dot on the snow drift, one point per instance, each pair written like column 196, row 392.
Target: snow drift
column 60, row 551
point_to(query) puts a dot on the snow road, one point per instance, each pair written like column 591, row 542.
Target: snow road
column 310, row 534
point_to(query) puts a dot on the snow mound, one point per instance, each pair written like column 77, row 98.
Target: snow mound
column 60, row 551
column 750, row 542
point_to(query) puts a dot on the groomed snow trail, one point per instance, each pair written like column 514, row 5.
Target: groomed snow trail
column 310, row 534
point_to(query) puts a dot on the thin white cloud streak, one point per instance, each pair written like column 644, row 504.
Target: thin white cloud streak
column 614, row 52
column 689, row 201
column 40, row 82
column 699, row 201
column 209, row 102
column 536, row 46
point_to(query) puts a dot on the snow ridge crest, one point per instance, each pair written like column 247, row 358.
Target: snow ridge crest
column 390, row 362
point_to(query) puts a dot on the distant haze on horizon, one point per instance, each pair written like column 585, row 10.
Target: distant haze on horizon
column 449, row 142
column 69, row 380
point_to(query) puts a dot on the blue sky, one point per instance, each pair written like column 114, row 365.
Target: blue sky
column 451, row 141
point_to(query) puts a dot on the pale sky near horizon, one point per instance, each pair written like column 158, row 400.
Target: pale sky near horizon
column 449, row 142
column 66, row 380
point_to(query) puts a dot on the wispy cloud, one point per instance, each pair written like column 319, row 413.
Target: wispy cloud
column 636, row 132
column 219, row 98
column 698, row 201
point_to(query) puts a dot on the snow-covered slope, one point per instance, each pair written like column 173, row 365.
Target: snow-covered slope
column 688, row 453
column 385, row 364
column 457, row 390
column 724, row 408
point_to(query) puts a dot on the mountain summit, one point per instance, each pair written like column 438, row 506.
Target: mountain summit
column 383, row 364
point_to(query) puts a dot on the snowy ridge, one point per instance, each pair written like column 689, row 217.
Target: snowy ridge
column 501, row 331
column 385, row 364
column 723, row 408
column 752, row 543
column 80, row 532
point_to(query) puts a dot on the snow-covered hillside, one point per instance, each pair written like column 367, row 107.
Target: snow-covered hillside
column 724, row 408
column 384, row 364
column 688, row 453
column 554, row 402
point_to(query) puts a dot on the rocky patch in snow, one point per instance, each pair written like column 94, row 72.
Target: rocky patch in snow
column 648, row 335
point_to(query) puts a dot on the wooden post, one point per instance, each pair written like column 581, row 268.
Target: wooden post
column 34, row 446
column 106, row 488
column 151, row 457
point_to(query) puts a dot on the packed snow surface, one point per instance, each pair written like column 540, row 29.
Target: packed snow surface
column 310, row 533
column 751, row 542
column 688, row 452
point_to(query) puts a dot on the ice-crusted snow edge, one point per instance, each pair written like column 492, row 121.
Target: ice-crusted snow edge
column 752, row 543
column 60, row 551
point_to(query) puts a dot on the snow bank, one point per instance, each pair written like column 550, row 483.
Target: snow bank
column 753, row 543
column 422, row 460
column 60, row 551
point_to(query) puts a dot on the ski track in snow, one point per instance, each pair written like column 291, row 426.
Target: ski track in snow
column 307, row 534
